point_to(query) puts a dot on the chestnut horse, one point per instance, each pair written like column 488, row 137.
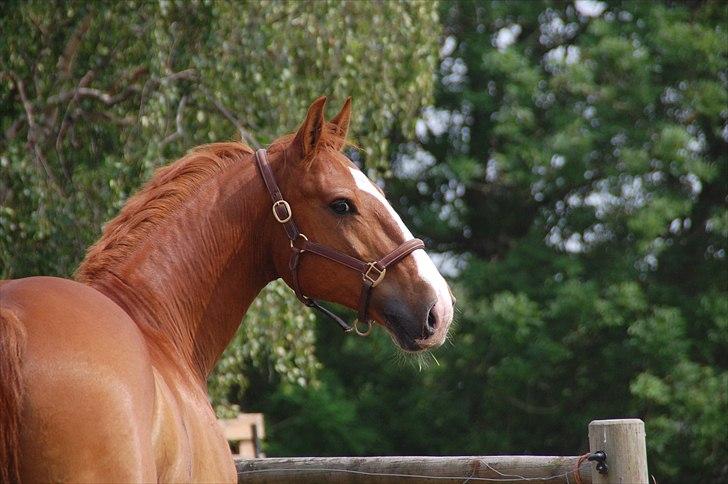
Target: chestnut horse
column 103, row 378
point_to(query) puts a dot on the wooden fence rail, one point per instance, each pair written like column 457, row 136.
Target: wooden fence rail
column 622, row 440
column 409, row 469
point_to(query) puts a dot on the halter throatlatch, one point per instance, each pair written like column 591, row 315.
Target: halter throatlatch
column 372, row 272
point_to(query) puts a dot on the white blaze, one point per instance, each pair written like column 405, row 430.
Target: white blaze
column 425, row 267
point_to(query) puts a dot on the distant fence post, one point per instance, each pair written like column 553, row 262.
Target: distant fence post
column 624, row 442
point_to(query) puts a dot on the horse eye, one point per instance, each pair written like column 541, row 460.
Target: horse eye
column 342, row 207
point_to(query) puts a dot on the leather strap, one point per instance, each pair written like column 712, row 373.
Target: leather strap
column 372, row 272
column 405, row 249
column 334, row 255
column 281, row 210
column 366, row 294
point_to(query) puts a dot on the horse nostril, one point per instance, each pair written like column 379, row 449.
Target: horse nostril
column 431, row 324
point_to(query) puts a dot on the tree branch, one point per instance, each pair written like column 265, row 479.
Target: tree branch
column 180, row 131
column 85, row 80
column 33, row 130
column 187, row 74
column 68, row 58
column 13, row 129
column 244, row 133
column 102, row 96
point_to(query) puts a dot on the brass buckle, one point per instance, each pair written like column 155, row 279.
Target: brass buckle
column 377, row 278
column 288, row 210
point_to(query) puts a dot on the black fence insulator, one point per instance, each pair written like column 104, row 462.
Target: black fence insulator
column 600, row 457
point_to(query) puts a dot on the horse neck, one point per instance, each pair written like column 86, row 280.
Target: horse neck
column 189, row 286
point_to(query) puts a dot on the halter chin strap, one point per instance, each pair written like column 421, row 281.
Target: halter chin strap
column 372, row 272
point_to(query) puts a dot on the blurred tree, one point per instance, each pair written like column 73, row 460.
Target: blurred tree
column 574, row 173
column 584, row 174
column 96, row 95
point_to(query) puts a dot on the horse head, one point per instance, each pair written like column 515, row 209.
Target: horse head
column 334, row 204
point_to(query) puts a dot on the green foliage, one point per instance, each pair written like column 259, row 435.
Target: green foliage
column 577, row 177
column 96, row 95
column 324, row 408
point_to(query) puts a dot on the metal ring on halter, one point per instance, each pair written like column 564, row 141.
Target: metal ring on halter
column 296, row 248
column 362, row 333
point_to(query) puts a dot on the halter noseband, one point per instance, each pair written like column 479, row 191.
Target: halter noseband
column 372, row 272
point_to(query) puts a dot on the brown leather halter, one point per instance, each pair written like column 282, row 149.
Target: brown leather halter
column 372, row 272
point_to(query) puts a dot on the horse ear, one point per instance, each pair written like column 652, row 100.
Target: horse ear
column 341, row 120
column 312, row 128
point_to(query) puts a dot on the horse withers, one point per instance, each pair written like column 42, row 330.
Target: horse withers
column 103, row 378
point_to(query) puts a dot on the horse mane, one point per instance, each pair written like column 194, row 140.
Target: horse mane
column 163, row 194
column 167, row 190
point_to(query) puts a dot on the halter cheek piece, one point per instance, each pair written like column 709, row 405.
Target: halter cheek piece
column 372, row 272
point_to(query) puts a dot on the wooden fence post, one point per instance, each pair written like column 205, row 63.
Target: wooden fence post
column 624, row 442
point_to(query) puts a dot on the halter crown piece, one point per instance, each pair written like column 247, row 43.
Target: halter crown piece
column 372, row 272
